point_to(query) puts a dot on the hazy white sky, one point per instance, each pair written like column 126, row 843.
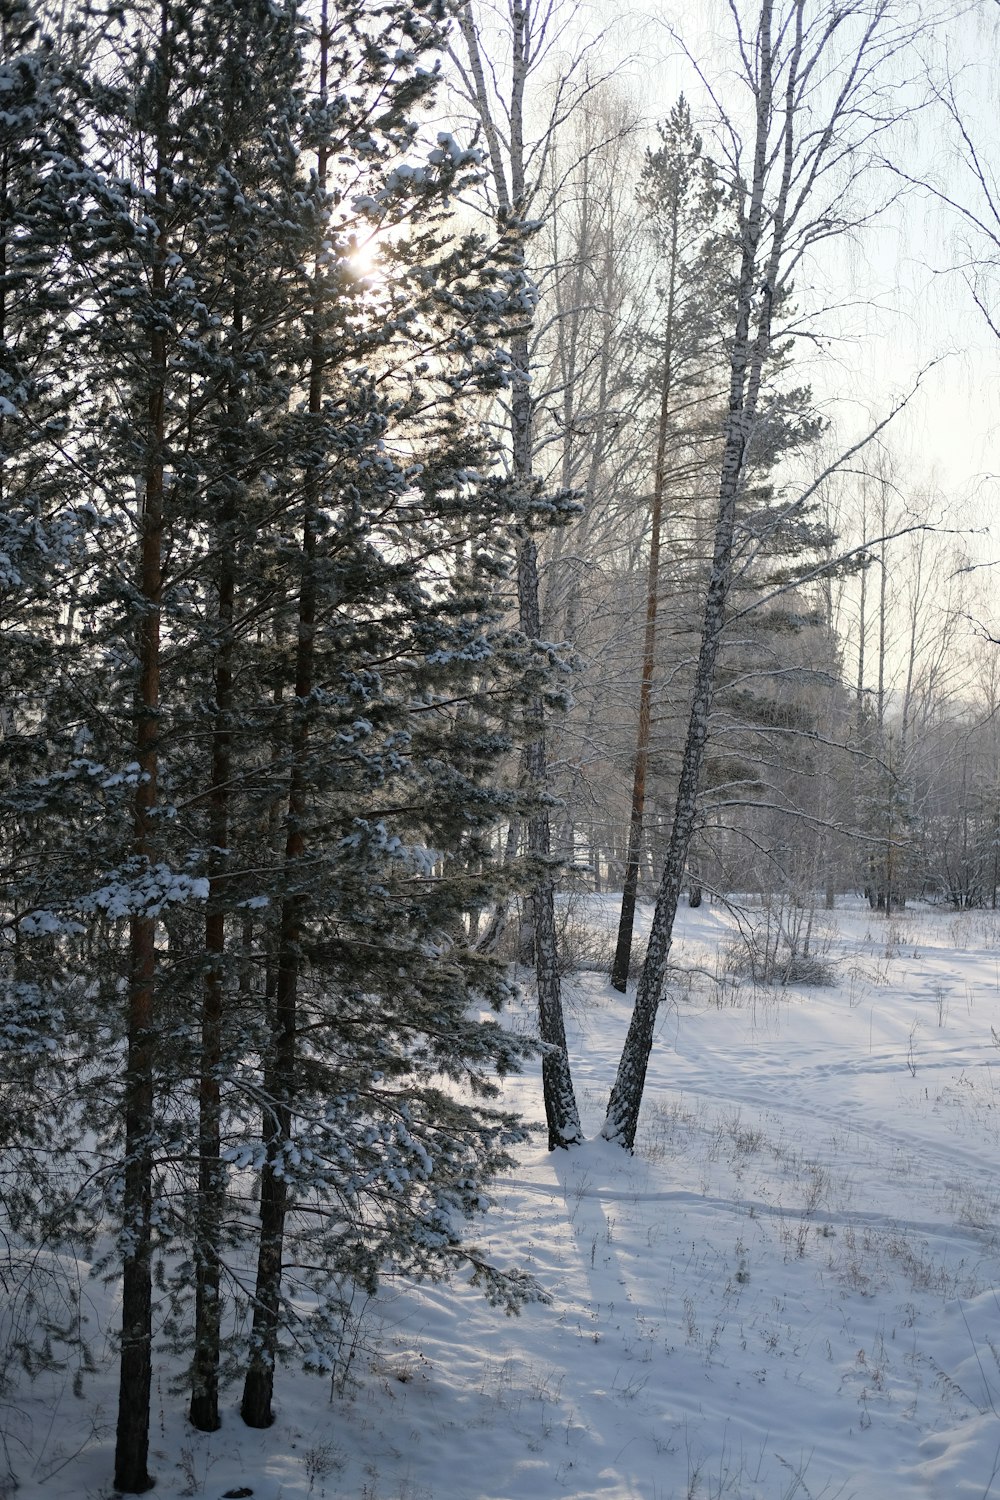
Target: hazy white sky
column 887, row 302
column 901, row 306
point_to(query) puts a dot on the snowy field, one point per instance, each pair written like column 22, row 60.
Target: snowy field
column 792, row 1288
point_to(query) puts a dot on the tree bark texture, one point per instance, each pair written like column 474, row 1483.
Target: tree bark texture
column 561, row 1113
column 132, row 1438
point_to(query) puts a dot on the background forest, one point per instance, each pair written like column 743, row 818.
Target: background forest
column 433, row 494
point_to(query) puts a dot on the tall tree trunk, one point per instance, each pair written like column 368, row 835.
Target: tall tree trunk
column 561, row 1113
column 626, row 1097
column 204, row 1408
column 280, row 1082
column 883, row 883
column 279, row 1087
column 626, row 923
column 132, row 1441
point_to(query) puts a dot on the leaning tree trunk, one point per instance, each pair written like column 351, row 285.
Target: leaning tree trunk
column 746, row 363
column 626, row 1096
column 630, row 885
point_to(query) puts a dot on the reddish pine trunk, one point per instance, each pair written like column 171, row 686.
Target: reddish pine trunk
column 630, row 886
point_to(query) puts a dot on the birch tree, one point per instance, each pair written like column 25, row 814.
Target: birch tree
column 517, row 168
column 820, row 82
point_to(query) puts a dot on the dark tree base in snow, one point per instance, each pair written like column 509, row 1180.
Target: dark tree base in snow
column 255, row 1408
column 204, row 1413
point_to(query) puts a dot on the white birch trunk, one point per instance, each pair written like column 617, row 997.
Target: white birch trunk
column 746, row 362
column 561, row 1113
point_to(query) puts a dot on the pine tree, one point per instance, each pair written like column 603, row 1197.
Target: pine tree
column 247, row 211
column 272, row 777
column 679, row 192
column 40, row 529
column 385, row 633
column 43, row 529
column 141, row 342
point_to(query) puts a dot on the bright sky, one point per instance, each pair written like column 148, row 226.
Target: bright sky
column 890, row 308
column 903, row 307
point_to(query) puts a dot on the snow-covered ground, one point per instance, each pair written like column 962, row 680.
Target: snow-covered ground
column 792, row 1288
